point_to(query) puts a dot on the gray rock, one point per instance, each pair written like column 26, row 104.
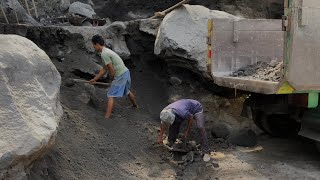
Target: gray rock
column 246, row 138
column 113, row 34
column 180, row 173
column 30, row 107
column 150, row 26
column 64, row 5
column 215, row 163
column 86, row 23
column 82, row 9
column 183, row 33
column 121, row 48
column 117, row 30
column 117, row 27
column 188, row 157
column 90, row 2
column 175, row 81
column 137, row 15
column 221, row 130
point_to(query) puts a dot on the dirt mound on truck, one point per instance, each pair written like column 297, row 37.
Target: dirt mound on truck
column 261, row 71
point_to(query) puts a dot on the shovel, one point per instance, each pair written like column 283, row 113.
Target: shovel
column 96, row 83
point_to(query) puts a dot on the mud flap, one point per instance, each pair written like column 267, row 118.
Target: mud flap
column 310, row 124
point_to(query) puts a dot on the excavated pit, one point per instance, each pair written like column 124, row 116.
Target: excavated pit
column 89, row 147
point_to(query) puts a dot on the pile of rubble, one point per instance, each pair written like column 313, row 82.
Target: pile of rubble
column 261, row 71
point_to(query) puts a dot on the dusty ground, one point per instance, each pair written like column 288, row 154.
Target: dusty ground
column 89, row 147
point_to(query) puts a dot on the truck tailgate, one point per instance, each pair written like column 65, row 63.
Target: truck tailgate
column 240, row 43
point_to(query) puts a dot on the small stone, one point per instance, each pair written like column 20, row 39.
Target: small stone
column 224, row 146
column 221, row 130
column 175, row 81
column 86, row 23
column 274, row 63
column 215, row 164
column 246, row 138
column 180, row 173
column 206, row 158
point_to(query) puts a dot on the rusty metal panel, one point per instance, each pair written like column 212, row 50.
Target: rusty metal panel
column 237, row 44
column 303, row 63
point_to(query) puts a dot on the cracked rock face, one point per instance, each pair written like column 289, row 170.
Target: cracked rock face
column 30, row 108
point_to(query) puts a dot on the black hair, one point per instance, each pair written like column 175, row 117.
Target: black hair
column 97, row 39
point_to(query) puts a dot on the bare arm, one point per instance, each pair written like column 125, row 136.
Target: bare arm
column 101, row 73
column 163, row 128
column 111, row 71
column 190, row 120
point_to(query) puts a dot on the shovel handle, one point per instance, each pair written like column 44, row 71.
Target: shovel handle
column 96, row 83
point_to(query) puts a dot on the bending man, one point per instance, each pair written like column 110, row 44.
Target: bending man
column 176, row 113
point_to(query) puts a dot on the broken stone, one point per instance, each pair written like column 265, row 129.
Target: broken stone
column 188, row 157
column 246, row 138
column 221, row 130
column 90, row 2
column 215, row 163
column 64, row 5
column 175, row 81
column 190, row 20
column 150, row 26
column 206, row 158
column 267, row 71
column 86, row 23
column 180, row 173
column 82, row 9
column 225, row 146
column 137, row 15
column 117, row 27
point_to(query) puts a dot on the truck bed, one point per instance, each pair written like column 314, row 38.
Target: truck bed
column 243, row 43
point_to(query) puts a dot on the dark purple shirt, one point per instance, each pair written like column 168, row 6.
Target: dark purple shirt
column 185, row 108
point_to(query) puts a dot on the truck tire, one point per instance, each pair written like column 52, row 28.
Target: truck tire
column 317, row 143
column 278, row 125
column 257, row 116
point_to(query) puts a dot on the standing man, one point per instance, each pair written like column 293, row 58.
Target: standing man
column 118, row 73
column 176, row 113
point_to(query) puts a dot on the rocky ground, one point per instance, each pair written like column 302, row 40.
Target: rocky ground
column 89, row 147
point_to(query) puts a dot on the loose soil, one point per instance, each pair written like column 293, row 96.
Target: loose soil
column 89, row 147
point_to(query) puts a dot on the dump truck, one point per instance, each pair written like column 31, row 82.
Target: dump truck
column 238, row 50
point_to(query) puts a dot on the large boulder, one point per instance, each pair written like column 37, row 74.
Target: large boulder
column 82, row 9
column 182, row 36
column 29, row 100
column 114, row 34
